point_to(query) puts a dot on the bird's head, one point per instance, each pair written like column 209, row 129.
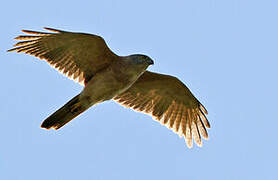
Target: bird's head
column 136, row 64
column 141, row 59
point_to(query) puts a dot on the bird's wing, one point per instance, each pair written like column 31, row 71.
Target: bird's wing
column 170, row 102
column 77, row 55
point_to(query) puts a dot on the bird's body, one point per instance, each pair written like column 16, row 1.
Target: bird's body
column 110, row 82
column 114, row 80
column 104, row 85
column 105, row 76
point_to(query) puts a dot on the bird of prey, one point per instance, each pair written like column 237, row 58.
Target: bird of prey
column 87, row 59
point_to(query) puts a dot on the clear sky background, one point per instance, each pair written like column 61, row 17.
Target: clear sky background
column 224, row 51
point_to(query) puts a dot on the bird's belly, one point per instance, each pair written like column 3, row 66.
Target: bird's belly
column 102, row 87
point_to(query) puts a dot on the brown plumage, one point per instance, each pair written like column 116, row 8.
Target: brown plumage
column 170, row 102
column 87, row 59
column 76, row 55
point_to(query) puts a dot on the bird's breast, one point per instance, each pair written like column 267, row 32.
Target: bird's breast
column 107, row 84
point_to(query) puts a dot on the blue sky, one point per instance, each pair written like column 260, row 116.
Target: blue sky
column 224, row 51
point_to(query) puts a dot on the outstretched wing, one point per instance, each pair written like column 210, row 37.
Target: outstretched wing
column 77, row 55
column 170, row 102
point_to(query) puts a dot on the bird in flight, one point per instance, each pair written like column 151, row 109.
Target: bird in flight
column 87, row 59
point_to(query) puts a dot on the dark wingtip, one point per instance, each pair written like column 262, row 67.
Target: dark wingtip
column 11, row 50
column 52, row 29
column 208, row 125
column 35, row 32
column 203, row 109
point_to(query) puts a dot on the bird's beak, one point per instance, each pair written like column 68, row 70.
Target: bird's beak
column 151, row 62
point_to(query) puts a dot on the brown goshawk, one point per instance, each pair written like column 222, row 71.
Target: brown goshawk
column 87, row 59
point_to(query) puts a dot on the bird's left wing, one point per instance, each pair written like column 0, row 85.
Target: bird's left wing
column 77, row 55
column 170, row 102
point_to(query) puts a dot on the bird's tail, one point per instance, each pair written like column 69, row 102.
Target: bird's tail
column 65, row 114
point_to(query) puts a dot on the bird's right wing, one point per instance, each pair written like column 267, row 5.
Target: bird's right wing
column 77, row 55
column 170, row 102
